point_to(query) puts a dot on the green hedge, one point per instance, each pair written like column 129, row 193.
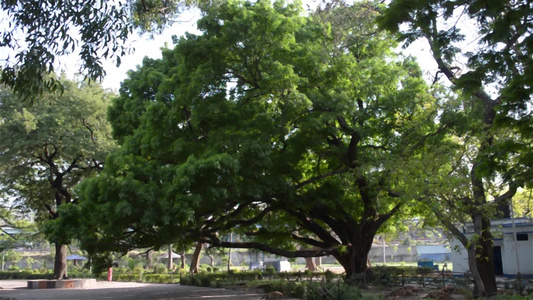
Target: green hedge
column 24, row 275
column 4, row 275
column 160, row 278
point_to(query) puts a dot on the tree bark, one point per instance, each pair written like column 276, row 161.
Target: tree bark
column 485, row 258
column 149, row 259
column 170, row 259
column 310, row 264
column 479, row 287
column 211, row 259
column 481, row 258
column 195, row 262
column 355, row 259
column 182, row 254
column 482, row 228
column 60, row 261
column 318, row 262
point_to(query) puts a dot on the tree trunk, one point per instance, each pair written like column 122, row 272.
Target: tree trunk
column 353, row 262
column 310, row 264
column 195, row 262
column 149, row 259
column 170, row 259
column 60, row 261
column 485, row 259
column 182, row 254
column 318, row 262
column 474, row 249
column 211, row 259
column 484, row 252
column 229, row 251
column 479, row 287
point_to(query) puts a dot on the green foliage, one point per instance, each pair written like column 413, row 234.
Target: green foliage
column 485, row 155
column 95, row 30
column 329, row 276
column 39, row 274
column 270, row 270
column 266, row 125
column 160, row 268
column 314, row 290
column 13, row 257
column 159, row 278
column 49, row 148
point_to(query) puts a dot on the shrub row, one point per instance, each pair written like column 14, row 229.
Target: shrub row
column 310, row 290
column 258, row 275
column 5, row 275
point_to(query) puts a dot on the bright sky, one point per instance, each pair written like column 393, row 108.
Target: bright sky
column 145, row 46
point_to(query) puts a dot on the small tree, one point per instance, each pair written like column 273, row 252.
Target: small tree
column 48, row 148
column 489, row 120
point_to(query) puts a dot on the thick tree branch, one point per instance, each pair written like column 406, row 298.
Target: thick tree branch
column 84, row 123
column 51, row 211
column 310, row 241
column 451, row 227
column 247, row 222
column 384, row 217
column 339, row 228
column 313, row 227
column 266, row 248
column 513, row 188
column 325, row 175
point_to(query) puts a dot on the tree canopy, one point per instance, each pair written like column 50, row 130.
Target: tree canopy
column 269, row 124
column 37, row 33
column 488, row 121
column 49, row 147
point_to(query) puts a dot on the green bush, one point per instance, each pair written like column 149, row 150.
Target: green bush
column 195, row 281
column 270, row 270
column 125, row 277
column 205, row 281
column 329, row 276
column 318, row 291
column 158, row 278
column 24, row 275
column 313, row 290
column 186, row 280
column 160, row 268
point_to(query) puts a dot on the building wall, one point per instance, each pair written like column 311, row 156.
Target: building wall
column 525, row 255
column 459, row 257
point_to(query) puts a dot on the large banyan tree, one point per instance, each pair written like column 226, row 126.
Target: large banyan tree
column 298, row 133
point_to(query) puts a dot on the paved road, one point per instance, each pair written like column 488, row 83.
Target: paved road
column 16, row 290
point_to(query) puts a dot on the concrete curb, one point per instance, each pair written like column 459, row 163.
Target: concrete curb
column 61, row 284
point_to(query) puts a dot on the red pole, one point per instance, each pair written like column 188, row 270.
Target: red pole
column 110, row 274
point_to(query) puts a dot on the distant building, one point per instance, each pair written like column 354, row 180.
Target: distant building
column 510, row 255
column 435, row 253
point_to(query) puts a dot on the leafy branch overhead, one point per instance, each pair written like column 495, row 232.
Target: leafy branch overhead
column 37, row 34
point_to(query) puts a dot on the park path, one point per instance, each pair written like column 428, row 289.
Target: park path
column 16, row 290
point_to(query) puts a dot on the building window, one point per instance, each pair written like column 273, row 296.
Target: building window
column 521, row 237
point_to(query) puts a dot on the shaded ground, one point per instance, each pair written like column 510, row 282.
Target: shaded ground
column 16, row 290
column 412, row 293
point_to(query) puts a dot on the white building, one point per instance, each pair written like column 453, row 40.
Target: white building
column 510, row 256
